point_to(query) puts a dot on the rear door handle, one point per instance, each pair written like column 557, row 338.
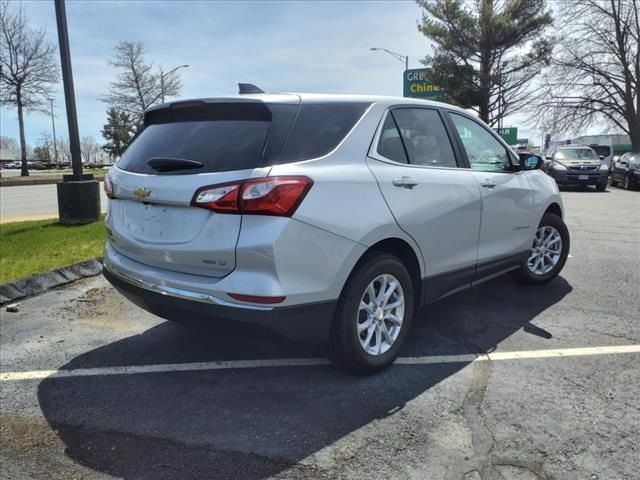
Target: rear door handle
column 488, row 183
column 405, row 182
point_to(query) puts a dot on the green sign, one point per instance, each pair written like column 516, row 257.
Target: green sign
column 509, row 135
column 417, row 85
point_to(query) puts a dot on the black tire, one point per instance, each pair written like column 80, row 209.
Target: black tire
column 345, row 350
column 627, row 183
column 612, row 181
column 601, row 187
column 525, row 276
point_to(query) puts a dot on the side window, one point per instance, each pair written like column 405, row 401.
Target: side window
column 484, row 151
column 425, row 137
column 390, row 144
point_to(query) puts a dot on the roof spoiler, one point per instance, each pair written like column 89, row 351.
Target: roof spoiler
column 244, row 88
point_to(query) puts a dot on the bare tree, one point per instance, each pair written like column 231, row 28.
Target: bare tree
column 27, row 68
column 8, row 143
column 45, row 141
column 138, row 85
column 89, row 149
column 64, row 150
column 595, row 75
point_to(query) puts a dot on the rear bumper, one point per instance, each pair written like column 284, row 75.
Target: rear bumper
column 308, row 323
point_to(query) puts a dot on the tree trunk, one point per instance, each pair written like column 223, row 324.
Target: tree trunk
column 486, row 22
column 634, row 136
column 24, row 168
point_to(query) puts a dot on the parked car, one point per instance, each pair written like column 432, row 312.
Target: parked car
column 323, row 217
column 604, row 153
column 576, row 165
column 627, row 171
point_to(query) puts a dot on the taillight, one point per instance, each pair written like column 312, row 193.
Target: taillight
column 107, row 185
column 219, row 198
column 279, row 196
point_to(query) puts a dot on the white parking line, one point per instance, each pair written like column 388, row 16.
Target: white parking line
column 306, row 362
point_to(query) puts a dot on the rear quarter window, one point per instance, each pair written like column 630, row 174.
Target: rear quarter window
column 319, row 128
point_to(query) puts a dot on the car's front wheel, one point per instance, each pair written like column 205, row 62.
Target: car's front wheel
column 374, row 315
column 548, row 254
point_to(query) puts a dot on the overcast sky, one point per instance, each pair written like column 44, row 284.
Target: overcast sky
column 290, row 46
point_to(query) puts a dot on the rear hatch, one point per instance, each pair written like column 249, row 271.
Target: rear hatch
column 181, row 148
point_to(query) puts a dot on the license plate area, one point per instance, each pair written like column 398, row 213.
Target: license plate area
column 583, row 177
column 155, row 223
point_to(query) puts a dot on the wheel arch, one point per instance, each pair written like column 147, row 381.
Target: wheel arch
column 405, row 252
column 554, row 208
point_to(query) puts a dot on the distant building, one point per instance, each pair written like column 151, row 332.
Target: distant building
column 620, row 143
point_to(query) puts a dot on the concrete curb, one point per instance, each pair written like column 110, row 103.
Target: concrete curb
column 30, row 286
column 7, row 182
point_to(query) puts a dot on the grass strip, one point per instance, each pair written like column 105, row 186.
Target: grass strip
column 34, row 247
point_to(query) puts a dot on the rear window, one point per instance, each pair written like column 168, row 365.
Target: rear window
column 240, row 136
column 220, row 136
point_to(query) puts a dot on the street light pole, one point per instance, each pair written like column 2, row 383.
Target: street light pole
column 53, row 126
column 403, row 58
column 78, row 194
column 69, row 93
column 164, row 75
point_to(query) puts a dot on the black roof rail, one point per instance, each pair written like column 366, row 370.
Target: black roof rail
column 248, row 88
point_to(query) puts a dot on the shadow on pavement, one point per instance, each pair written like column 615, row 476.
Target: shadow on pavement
column 253, row 423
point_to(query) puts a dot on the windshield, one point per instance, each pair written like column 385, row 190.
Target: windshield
column 576, row 154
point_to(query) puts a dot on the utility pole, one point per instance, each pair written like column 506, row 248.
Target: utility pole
column 53, row 127
column 161, row 86
column 78, row 194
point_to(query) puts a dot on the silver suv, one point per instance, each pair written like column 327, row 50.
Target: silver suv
column 325, row 218
column 578, row 165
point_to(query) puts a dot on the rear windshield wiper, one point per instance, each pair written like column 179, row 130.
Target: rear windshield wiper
column 162, row 164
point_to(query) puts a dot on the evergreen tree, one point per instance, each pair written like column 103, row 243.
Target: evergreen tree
column 486, row 53
column 118, row 131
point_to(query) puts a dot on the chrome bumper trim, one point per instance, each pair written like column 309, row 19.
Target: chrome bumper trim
column 172, row 291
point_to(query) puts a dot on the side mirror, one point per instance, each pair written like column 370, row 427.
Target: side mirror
column 601, row 157
column 623, row 163
column 529, row 161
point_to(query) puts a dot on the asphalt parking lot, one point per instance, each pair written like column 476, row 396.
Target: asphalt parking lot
column 499, row 382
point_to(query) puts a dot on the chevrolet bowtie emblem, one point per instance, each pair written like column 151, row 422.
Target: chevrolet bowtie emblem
column 142, row 192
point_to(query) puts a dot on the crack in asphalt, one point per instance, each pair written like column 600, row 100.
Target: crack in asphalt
column 482, row 438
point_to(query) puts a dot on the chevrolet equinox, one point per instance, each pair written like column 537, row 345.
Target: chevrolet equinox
column 323, row 217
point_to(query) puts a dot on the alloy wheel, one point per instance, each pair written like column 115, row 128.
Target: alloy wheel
column 546, row 250
column 380, row 314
